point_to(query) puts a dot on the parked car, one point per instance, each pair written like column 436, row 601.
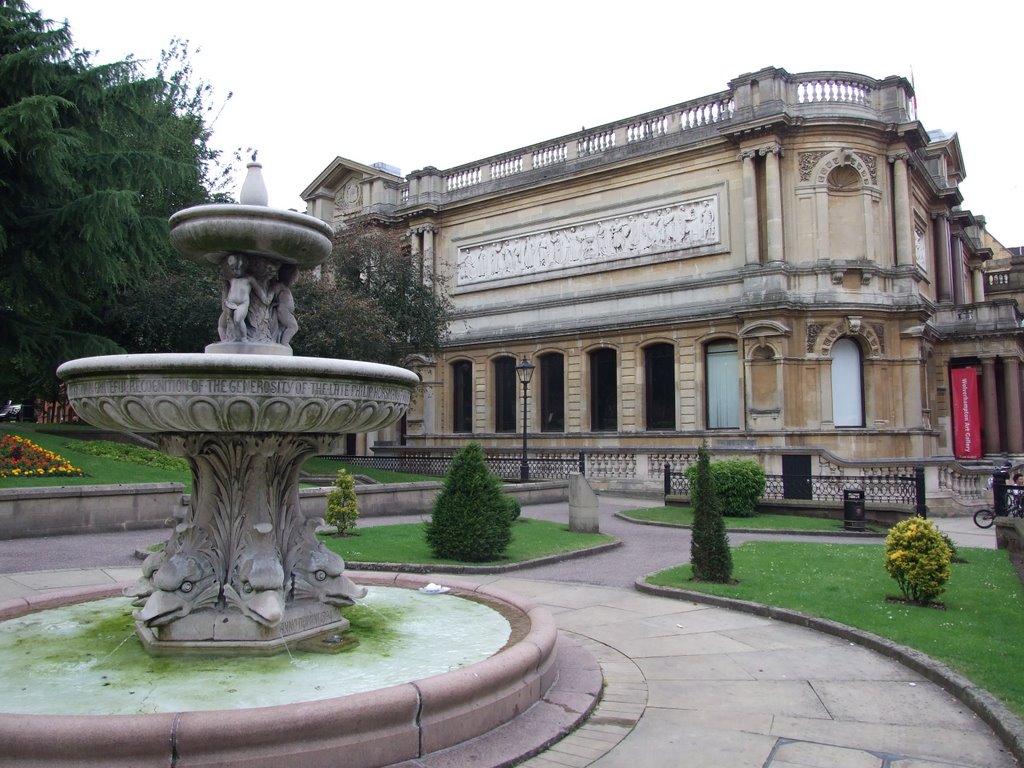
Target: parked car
column 11, row 411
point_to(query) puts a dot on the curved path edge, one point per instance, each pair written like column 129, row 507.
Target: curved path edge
column 1000, row 718
column 767, row 531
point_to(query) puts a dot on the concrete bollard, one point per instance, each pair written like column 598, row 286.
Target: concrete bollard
column 582, row 506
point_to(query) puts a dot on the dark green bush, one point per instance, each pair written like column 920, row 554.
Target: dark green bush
column 710, row 556
column 513, row 507
column 739, row 483
column 471, row 520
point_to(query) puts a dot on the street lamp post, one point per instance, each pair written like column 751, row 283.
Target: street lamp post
column 525, row 372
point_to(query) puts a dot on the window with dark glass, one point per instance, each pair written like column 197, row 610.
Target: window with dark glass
column 603, row 391
column 723, row 385
column 660, row 386
column 552, row 392
column 462, row 396
column 505, row 381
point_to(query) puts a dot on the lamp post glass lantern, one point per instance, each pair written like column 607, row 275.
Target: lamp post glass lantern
column 525, row 372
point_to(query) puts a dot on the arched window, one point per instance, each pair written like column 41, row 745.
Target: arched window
column 552, row 392
column 604, row 374
column 660, row 386
column 504, row 392
column 723, row 385
column 847, row 385
column 462, row 396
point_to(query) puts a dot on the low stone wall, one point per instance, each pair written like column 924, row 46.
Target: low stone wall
column 392, row 499
column 1010, row 534
column 64, row 510
column 27, row 512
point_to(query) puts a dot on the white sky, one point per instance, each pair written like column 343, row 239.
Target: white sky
column 447, row 82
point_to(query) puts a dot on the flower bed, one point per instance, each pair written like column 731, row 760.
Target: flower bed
column 23, row 458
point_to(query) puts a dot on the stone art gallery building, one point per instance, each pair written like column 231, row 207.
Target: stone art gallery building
column 782, row 269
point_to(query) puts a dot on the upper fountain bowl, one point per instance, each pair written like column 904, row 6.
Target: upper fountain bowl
column 181, row 393
column 207, row 233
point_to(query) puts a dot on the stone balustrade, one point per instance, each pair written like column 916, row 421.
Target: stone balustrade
column 751, row 96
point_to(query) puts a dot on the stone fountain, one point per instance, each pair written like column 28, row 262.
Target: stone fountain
column 244, row 571
column 244, row 574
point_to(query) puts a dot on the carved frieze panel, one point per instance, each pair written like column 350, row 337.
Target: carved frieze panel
column 680, row 226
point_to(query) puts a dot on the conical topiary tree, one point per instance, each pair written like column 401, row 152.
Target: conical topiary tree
column 710, row 557
column 471, row 520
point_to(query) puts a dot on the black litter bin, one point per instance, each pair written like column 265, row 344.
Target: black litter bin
column 853, row 509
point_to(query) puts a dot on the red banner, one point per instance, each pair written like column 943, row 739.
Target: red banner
column 966, row 413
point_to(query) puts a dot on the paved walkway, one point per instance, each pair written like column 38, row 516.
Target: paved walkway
column 686, row 684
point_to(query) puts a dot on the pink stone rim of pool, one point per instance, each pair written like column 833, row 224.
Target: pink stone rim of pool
column 369, row 730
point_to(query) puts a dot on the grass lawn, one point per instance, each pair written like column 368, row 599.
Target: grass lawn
column 407, row 543
column 978, row 633
column 321, row 467
column 113, row 468
column 109, row 463
column 684, row 516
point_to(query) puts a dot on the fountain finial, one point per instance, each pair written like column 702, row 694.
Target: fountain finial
column 254, row 191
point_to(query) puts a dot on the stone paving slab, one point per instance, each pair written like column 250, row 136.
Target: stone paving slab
column 728, row 689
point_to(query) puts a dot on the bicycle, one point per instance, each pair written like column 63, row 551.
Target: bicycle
column 986, row 518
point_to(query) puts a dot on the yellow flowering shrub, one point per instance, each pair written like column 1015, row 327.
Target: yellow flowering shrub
column 917, row 556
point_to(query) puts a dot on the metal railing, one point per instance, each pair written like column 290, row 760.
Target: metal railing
column 883, row 489
column 505, row 466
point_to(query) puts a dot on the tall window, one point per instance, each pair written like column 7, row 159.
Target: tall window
column 505, row 394
column 462, row 396
column 723, row 385
column 604, row 415
column 847, row 384
column 552, row 392
column 660, row 386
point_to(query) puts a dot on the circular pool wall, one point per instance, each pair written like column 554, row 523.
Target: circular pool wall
column 363, row 730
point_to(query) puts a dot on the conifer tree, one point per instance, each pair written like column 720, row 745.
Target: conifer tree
column 710, row 557
column 471, row 521
column 93, row 160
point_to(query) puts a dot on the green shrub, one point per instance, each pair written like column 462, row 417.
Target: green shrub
column 739, row 483
column 513, row 507
column 471, row 520
column 710, row 556
column 918, row 558
column 342, row 504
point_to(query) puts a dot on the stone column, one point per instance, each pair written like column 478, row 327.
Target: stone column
column 773, row 200
column 990, row 407
column 977, row 285
column 415, row 253
column 957, row 268
column 943, row 273
column 751, row 233
column 429, row 267
column 901, row 209
column 1012, row 417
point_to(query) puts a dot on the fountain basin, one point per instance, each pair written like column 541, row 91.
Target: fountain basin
column 365, row 730
column 199, row 392
column 207, row 233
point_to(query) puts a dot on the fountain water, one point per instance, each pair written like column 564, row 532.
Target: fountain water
column 243, row 573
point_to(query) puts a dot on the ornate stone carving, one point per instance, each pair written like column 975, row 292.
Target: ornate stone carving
column 827, row 161
column 813, row 330
column 808, row 160
column 871, row 164
column 680, row 226
column 258, row 306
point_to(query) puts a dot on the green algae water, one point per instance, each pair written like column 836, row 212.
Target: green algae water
column 85, row 659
